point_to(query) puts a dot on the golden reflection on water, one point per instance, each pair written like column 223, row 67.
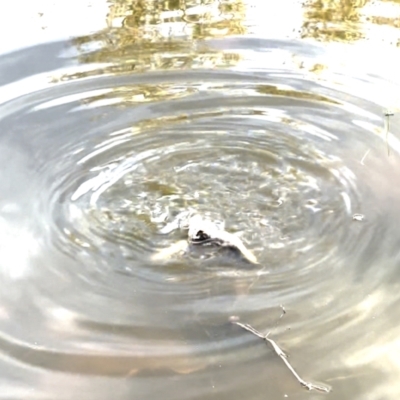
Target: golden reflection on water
column 152, row 35
column 352, row 20
column 135, row 94
column 333, row 19
column 147, row 35
column 275, row 91
column 212, row 18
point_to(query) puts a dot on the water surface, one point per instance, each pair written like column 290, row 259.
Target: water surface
column 106, row 137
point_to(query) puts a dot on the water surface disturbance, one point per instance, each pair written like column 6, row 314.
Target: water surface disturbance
column 273, row 127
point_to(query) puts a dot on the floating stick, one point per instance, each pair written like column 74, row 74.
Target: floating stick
column 365, row 156
column 387, row 128
column 283, row 356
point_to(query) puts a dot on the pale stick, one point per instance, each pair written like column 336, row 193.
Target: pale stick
column 283, row 356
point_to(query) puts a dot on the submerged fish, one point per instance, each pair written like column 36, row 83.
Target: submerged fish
column 203, row 231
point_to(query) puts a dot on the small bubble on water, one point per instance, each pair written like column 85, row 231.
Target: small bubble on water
column 358, row 217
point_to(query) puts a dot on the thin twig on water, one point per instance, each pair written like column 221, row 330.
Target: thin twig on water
column 279, row 319
column 283, row 356
column 365, row 156
column 388, row 114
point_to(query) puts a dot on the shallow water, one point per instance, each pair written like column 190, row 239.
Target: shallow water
column 105, row 138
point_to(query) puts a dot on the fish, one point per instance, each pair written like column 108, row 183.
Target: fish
column 202, row 231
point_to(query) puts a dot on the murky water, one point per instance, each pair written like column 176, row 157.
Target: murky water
column 104, row 139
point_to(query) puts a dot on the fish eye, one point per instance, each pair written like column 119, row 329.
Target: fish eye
column 201, row 235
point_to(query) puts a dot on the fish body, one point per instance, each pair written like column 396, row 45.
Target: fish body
column 202, row 231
